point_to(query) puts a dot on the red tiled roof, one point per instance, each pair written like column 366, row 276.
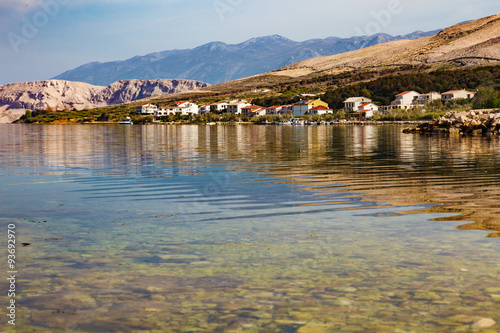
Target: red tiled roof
column 321, row 107
column 404, row 93
column 252, row 107
column 363, row 105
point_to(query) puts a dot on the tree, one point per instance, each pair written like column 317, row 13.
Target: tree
column 103, row 117
column 228, row 117
column 212, row 117
column 28, row 114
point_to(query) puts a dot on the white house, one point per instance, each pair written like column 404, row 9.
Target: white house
column 252, row 111
column 218, row 107
column 204, row 109
column 456, row 94
column 258, row 112
column 365, row 110
column 286, row 109
column 149, row 109
column 406, row 100
column 273, row 110
column 426, row 98
column 188, row 107
column 352, row 104
column 320, row 110
column 235, row 107
column 181, row 108
column 160, row 112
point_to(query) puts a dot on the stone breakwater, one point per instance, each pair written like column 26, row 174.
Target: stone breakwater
column 465, row 122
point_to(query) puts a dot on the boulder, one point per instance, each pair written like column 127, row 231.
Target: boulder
column 472, row 122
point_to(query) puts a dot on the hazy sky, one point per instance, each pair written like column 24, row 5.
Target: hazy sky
column 40, row 39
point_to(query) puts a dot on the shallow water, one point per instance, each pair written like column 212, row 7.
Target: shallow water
column 250, row 228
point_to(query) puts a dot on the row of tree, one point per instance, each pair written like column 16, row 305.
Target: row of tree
column 384, row 89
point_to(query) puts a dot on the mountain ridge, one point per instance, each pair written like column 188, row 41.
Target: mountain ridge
column 15, row 98
column 218, row 62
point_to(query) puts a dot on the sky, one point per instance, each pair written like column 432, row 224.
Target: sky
column 40, row 39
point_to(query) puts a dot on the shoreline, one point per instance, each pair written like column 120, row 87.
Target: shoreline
column 332, row 123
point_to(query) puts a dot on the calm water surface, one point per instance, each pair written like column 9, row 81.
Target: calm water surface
column 249, row 229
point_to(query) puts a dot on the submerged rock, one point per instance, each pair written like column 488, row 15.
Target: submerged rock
column 483, row 323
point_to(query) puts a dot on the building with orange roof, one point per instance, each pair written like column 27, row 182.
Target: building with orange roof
column 236, row 106
column 320, row 110
column 274, row 110
column 457, row 94
column 352, row 104
column 365, row 110
column 218, row 107
column 252, row 111
column 300, row 108
column 406, row 100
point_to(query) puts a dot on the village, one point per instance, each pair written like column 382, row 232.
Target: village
column 354, row 107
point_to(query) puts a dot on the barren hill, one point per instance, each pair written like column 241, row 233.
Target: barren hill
column 467, row 43
column 17, row 97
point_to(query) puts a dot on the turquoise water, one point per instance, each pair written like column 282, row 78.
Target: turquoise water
column 250, row 229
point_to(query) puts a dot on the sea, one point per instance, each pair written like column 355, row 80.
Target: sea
column 248, row 228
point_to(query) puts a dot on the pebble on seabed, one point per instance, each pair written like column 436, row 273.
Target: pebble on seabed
column 484, row 323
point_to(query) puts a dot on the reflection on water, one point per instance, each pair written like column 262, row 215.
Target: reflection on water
column 250, row 228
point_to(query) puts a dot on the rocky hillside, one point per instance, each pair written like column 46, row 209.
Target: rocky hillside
column 470, row 43
column 218, row 62
column 77, row 95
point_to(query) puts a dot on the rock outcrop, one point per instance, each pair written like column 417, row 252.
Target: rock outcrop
column 466, row 122
column 61, row 95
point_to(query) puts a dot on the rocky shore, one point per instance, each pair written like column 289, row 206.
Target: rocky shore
column 466, row 123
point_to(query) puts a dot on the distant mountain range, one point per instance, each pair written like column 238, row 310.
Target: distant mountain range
column 218, row 62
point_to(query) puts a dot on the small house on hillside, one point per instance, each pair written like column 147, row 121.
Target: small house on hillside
column 181, row 108
column 426, row 98
column 320, row 110
column 147, row 109
column 218, row 107
column 352, row 104
column 204, row 109
column 405, row 100
column 300, row 108
column 235, row 107
column 457, row 94
column 365, row 110
column 286, row 109
column 252, row 111
column 274, row 110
